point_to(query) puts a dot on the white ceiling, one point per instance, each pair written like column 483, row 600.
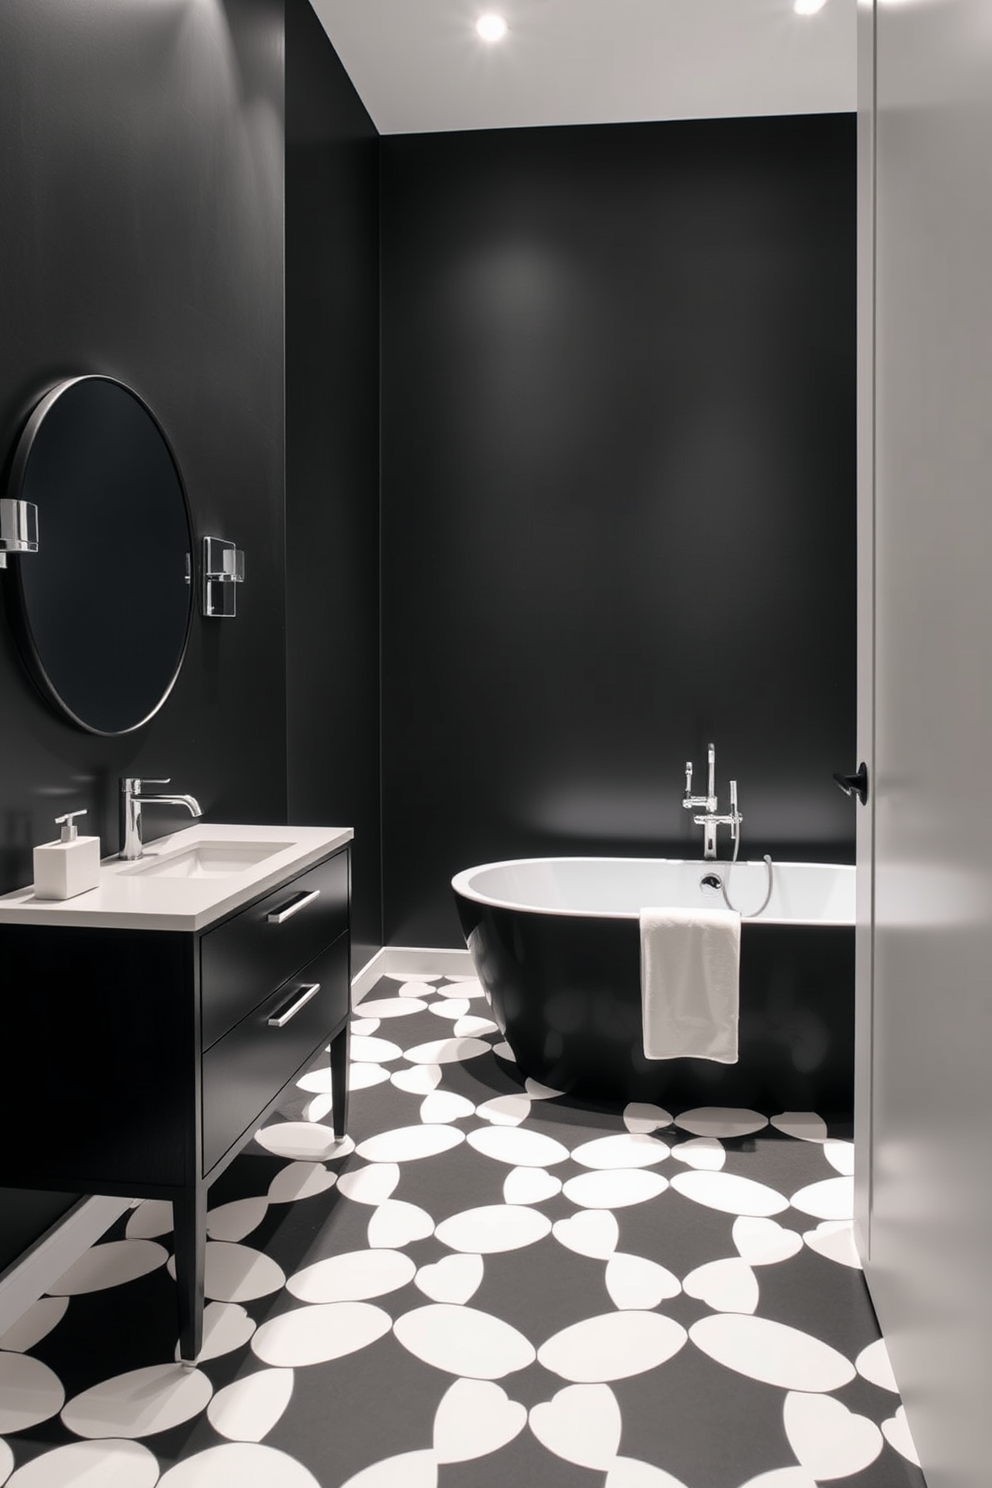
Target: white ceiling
column 419, row 66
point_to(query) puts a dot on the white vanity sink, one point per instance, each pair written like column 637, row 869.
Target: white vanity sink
column 184, row 881
column 206, row 859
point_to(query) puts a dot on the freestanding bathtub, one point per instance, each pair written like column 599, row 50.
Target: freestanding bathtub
column 556, row 945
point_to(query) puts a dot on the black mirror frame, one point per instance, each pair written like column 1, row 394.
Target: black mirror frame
column 17, row 608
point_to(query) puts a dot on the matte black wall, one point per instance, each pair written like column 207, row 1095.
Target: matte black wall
column 332, row 458
column 618, row 493
column 142, row 237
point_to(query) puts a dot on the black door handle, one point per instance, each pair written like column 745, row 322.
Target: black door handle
column 854, row 785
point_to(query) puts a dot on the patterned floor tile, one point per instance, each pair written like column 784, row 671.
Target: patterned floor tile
column 486, row 1282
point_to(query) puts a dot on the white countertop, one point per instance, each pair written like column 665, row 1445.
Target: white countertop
column 130, row 900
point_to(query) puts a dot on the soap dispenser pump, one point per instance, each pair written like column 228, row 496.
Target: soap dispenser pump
column 68, row 867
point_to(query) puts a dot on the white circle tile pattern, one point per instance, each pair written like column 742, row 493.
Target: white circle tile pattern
column 110, row 1264
column 314, row 1335
column 418, row 1081
column 363, row 1076
column 444, row 1105
column 833, row 1198
column 896, row 1433
column 725, row 1285
column 580, row 1424
column 771, row 1352
column 407, row 1143
column 615, row 1189
column 153, row 1217
column 464, row 1341
column 363, row 1027
column 7, row 1461
column 447, row 1051
column 352, row 1277
column 29, row 1393
column 372, row 1185
column 613, row 1346
column 806, row 1125
column 34, row 1325
column 367, row 1050
column 236, row 1273
column 226, row 1327
column 829, row 1440
column 840, row 1155
column 625, row 1150
column 492, row 1228
column 730, row 1193
column 236, row 1220
column 397, row 1223
column 391, row 1007
column 834, row 1239
column 763, row 1242
column 475, row 1418
column 537, row 1091
column 635, row 1283
column 407, row 1470
column 300, row 1180
column 505, row 1110
column 243, row 1463
column 708, row 1154
column 530, row 1186
column 594, row 1233
column 453, row 1008
column 305, row 1141
column 517, row 1146
column 247, row 1409
column 873, row 1365
column 139, row 1403
column 472, row 1026
column 455, row 1278
column 721, row 1121
column 642, row 1116
column 105, row 1464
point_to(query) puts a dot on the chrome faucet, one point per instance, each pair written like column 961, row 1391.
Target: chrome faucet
column 132, row 800
column 710, row 820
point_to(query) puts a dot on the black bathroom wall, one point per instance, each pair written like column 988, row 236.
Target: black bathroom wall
column 618, row 493
column 141, row 236
column 332, row 458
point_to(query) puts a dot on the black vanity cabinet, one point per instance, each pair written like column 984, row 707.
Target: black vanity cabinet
column 139, row 1062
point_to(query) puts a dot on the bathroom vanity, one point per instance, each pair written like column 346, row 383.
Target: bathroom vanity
column 154, row 1022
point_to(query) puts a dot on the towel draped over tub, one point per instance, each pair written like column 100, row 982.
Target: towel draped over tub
column 690, row 979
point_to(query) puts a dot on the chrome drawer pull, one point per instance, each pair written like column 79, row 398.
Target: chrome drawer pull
column 277, row 916
column 289, row 1009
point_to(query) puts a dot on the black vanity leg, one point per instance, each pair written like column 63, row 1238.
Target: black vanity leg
column 339, row 1079
column 190, row 1213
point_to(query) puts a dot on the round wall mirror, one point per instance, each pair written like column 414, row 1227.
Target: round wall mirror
column 102, row 610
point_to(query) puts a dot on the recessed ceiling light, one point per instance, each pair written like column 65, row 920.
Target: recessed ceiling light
column 491, row 27
column 808, row 7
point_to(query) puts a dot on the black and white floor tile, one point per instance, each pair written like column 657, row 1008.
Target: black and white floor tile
column 486, row 1283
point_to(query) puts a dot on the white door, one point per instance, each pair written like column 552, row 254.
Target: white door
column 925, row 850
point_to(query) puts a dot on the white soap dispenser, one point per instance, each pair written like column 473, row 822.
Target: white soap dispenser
column 68, row 867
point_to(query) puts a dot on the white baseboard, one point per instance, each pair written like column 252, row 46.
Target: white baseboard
column 65, row 1242
column 54, row 1253
column 417, row 960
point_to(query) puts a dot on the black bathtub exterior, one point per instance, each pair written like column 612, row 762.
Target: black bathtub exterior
column 565, row 991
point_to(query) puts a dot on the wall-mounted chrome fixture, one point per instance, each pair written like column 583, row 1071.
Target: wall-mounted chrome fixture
column 710, row 820
column 18, row 528
column 223, row 567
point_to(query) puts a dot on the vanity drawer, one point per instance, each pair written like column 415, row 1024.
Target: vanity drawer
column 253, row 953
column 247, row 1068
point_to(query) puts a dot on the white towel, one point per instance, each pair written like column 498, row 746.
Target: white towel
column 690, row 998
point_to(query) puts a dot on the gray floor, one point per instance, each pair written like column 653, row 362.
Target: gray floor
column 487, row 1282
